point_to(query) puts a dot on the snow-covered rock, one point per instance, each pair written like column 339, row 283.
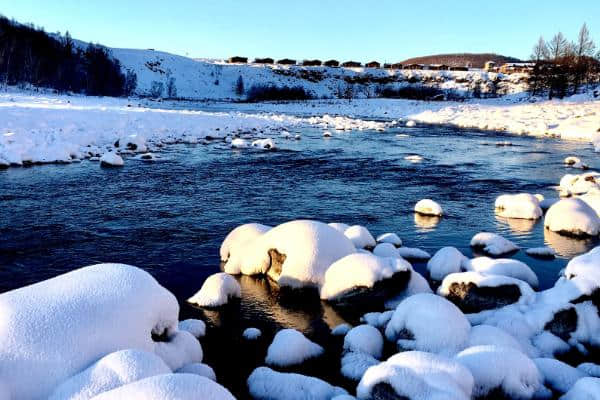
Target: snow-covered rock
column 579, row 184
column 428, row 322
column 355, row 364
column 364, row 339
column 266, row 384
column 417, row 284
column 503, row 266
column 111, row 159
column 413, row 253
column 493, row 243
column 584, row 389
column 239, row 143
column 572, row 217
column 429, row 207
column 541, row 252
column 390, row 238
column 198, row 369
column 359, row 274
column 586, row 266
column 557, row 375
column 290, row 347
column 235, row 240
column 411, row 124
column 360, row 236
column 484, row 335
column 386, row 250
column 251, row 333
column 339, row 226
column 265, row 144
column 445, row 261
column 217, row 290
column 341, row 329
column 194, row 326
column 523, row 205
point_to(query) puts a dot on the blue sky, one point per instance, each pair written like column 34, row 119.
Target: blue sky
column 383, row 30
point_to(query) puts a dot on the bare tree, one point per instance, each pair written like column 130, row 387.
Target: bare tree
column 583, row 50
column 558, row 46
column 539, row 54
column 540, row 51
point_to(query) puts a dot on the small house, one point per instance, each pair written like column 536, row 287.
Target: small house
column 238, row 60
column 387, row 66
column 263, row 61
column 312, row 63
column 459, row 68
column 513, row 68
column 438, row 67
column 414, row 66
column 286, row 61
column 397, row 66
column 351, row 64
column 332, row 63
column 373, row 64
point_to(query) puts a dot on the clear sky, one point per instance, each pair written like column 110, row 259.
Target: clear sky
column 384, row 30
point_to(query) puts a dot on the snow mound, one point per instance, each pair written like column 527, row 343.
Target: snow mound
column 412, row 253
column 484, row 335
column 572, row 217
column 557, row 375
column 216, row 290
column 428, row 207
column 117, row 305
column 493, row 243
column 251, row 333
column 364, row 339
column 360, row 236
column 417, row 376
column 111, row 159
column 590, row 369
column 416, row 284
column 198, row 369
column 194, row 326
column 579, row 184
column 341, row 329
column 339, row 226
column 295, row 253
column 411, row 124
column 428, row 322
column 524, row 206
column 238, row 143
column 355, row 364
column 586, row 265
column 169, row 387
column 386, row 250
column 290, row 347
column 445, row 261
column 237, row 238
column 265, row 144
column 584, row 389
column 541, row 252
column 503, row 266
column 111, row 371
column 504, row 368
column 266, row 384
column 390, row 238
column 359, row 271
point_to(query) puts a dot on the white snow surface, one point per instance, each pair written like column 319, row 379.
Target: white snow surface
column 216, row 291
column 251, row 333
column 586, row 266
column 482, row 335
column 364, row 339
column 194, row 326
column 355, row 364
column 359, row 270
column 429, row 207
column 503, row 266
column 445, row 261
column 389, row 238
column 572, row 216
column 557, row 375
column 235, row 240
column 523, row 205
column 360, row 236
column 341, row 329
column 111, row 158
column 544, row 251
column 266, row 384
column 413, row 253
column 198, row 369
column 493, row 243
column 291, row 347
column 584, row 389
column 386, row 250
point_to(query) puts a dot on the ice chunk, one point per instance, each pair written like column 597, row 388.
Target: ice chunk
column 493, row 243
column 572, row 217
column 364, row 339
column 445, row 261
column 266, row 384
column 429, row 207
column 216, row 290
column 290, row 347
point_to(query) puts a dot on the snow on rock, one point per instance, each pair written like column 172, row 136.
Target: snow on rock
column 295, row 254
column 572, row 217
column 386, row 250
column 389, row 238
column 265, row 144
column 592, row 198
column 445, row 261
column 429, row 207
column 416, row 375
column 417, row 284
column 251, row 333
column 266, row 384
column 111, row 371
column 571, row 160
column 525, row 206
column 428, row 322
column 217, row 290
column 411, row 124
column 135, row 143
column 541, row 252
column 586, row 265
column 362, row 271
column 355, row 364
column 360, row 236
column 557, row 375
column 116, row 305
column 339, row 226
column 584, row 389
column 545, row 204
column 503, row 266
column 111, row 159
column 364, row 339
column 573, row 184
column 412, row 253
column 590, row 369
column 239, row 143
column 181, row 349
column 291, row 347
column 482, row 335
column 503, row 368
column 473, row 291
column 493, row 243
column 198, row 369
column 235, row 242
column 341, row 329
column 194, row 326
column 170, row 387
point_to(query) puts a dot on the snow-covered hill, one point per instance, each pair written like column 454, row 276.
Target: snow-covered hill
column 206, row 79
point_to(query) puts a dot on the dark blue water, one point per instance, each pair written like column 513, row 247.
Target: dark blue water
column 170, row 217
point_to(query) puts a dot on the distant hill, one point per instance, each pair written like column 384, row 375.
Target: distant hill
column 477, row 60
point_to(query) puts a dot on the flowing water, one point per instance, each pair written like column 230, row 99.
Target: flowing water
column 169, row 217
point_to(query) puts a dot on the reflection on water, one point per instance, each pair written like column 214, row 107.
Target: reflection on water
column 566, row 246
column 517, row 225
column 426, row 223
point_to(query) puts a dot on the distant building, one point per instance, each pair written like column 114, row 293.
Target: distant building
column 438, row 67
column 489, row 66
column 397, row 66
column 351, row 64
column 373, row 64
column 236, row 59
column 286, row 61
column 513, row 68
column 312, row 63
column 332, row 63
column 459, row 68
column 387, row 66
column 414, row 66
column 263, row 61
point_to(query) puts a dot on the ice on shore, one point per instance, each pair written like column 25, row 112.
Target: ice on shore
column 216, row 291
column 291, row 347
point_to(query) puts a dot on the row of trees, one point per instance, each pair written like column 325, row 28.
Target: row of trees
column 30, row 55
column 562, row 67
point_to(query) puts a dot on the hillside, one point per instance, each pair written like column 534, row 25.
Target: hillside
column 476, row 60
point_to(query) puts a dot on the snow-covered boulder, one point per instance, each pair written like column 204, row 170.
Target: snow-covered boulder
column 194, row 326
column 111, row 159
column 365, row 276
column 386, row 250
column 429, row 207
column 488, row 335
column 503, row 266
column 355, row 364
column 473, row 291
column 584, row 389
column 445, row 261
column 411, row 124
column 592, row 198
column 547, row 203
column 572, row 217
column 239, row 143
column 523, row 205
column 96, row 310
column 413, row 253
column 364, row 339
column 416, row 284
column 416, row 375
column 545, row 252
column 169, row 387
column 216, row 291
column 391, row 238
column 360, row 236
column 265, row 144
column 237, row 238
column 493, row 244
column 266, row 384
column 579, row 184
column 341, row 329
column 586, row 266
column 111, row 371
column 339, row 226
column 501, row 371
column 428, row 322
column 558, row 376
column 251, row 333
column 198, row 369
column 135, row 143
column 291, row 347
column 295, row 253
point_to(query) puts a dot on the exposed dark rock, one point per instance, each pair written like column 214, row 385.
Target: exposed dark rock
column 384, row 391
column 563, row 323
column 277, row 260
column 472, row 299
